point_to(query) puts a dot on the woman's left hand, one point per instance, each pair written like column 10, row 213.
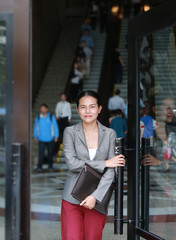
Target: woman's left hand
column 89, row 202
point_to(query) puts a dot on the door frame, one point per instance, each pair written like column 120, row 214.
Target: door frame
column 20, row 114
column 8, row 19
column 146, row 23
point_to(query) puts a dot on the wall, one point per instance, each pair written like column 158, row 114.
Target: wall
column 46, row 29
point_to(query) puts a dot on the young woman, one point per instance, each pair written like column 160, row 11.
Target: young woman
column 164, row 136
column 92, row 143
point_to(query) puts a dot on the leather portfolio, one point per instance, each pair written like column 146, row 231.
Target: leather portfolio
column 86, row 184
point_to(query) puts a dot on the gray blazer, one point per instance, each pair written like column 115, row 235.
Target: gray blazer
column 76, row 154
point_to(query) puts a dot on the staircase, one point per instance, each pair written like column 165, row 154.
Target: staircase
column 164, row 54
column 92, row 81
column 124, row 55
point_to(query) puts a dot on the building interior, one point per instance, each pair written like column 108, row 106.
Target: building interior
column 36, row 66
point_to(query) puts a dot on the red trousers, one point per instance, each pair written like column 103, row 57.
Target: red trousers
column 79, row 223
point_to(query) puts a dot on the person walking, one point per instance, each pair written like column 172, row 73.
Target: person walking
column 118, row 66
column 87, row 142
column 103, row 16
column 46, row 132
column 88, row 53
column 88, row 39
column 86, row 25
column 116, row 102
column 76, row 82
column 63, row 114
column 93, row 14
column 119, row 124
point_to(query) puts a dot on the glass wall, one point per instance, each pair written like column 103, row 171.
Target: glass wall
column 158, row 133
column 2, row 125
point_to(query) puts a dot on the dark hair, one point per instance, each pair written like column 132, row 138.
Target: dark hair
column 63, row 93
column 88, row 93
column 118, row 112
column 43, row 105
column 118, row 91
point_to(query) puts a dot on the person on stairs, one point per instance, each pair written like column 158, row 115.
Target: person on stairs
column 46, row 132
column 88, row 53
column 93, row 14
column 103, row 16
column 76, row 82
column 118, row 67
column 88, row 39
column 63, row 114
column 116, row 102
column 86, row 25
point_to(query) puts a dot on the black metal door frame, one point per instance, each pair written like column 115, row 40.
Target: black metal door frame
column 145, row 23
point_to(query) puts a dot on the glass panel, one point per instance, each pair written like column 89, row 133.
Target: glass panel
column 2, row 125
column 158, row 133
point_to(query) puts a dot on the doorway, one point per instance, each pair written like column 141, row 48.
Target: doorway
column 151, row 158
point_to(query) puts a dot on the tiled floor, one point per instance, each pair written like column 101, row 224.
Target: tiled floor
column 46, row 190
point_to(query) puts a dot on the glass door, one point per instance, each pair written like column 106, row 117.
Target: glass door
column 152, row 125
column 158, row 133
column 5, row 112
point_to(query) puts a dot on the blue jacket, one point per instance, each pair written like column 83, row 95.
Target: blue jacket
column 119, row 125
column 88, row 40
column 46, row 128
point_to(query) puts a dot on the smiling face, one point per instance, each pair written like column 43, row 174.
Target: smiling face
column 88, row 109
column 166, row 112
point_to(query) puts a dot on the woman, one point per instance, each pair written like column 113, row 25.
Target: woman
column 93, row 143
column 164, row 137
column 76, row 82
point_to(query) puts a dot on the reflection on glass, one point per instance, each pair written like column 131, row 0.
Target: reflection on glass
column 158, row 123
column 2, row 84
column 2, row 121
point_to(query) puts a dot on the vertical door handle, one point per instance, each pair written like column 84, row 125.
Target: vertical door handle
column 118, row 201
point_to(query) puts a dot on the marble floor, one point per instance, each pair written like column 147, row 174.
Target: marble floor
column 46, row 190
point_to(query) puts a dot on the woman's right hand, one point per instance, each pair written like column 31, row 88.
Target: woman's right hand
column 116, row 161
column 149, row 160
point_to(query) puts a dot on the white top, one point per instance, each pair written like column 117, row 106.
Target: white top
column 87, row 51
column 63, row 109
column 116, row 102
column 92, row 153
column 78, row 76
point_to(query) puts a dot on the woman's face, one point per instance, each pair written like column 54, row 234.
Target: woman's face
column 88, row 109
column 166, row 112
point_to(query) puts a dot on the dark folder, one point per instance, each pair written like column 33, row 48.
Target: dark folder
column 87, row 182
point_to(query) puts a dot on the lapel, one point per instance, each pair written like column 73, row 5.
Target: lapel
column 101, row 132
column 80, row 132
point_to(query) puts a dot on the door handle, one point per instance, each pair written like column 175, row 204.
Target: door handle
column 147, row 144
column 118, row 201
